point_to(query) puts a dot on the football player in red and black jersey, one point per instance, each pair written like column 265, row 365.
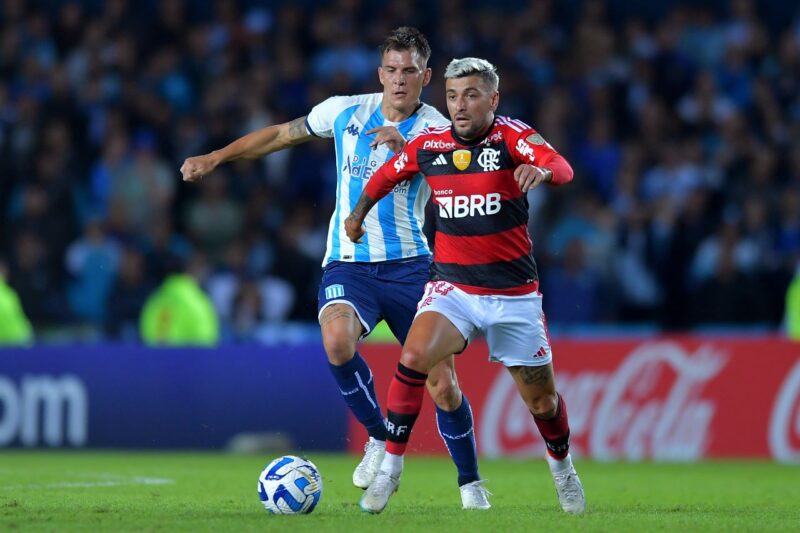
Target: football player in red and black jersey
column 484, row 277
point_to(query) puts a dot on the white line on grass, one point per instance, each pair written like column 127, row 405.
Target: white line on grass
column 135, row 480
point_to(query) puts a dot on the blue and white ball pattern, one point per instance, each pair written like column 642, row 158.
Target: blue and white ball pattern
column 290, row 485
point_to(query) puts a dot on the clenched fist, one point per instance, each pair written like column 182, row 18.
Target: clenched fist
column 195, row 168
column 529, row 177
column 354, row 228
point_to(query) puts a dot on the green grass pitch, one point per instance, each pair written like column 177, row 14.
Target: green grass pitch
column 58, row 491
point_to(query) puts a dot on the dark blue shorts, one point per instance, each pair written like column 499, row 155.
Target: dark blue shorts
column 388, row 290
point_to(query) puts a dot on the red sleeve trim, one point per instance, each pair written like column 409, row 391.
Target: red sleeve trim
column 562, row 171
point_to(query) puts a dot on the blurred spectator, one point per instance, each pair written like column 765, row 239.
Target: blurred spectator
column 92, row 262
column 705, row 109
column 45, row 206
column 14, row 326
column 681, row 120
column 792, row 303
column 588, row 222
column 223, row 285
column 636, row 268
column 33, row 276
column 599, row 157
column 574, row 288
column 247, row 309
column 689, row 229
column 213, row 219
column 711, row 252
column 729, row 296
column 298, row 262
column 179, row 313
column 164, row 248
column 143, row 184
column 127, row 296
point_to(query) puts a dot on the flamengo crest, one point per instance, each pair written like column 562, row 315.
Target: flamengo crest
column 489, row 159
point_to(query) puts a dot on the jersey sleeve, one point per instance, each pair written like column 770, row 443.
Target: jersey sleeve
column 401, row 167
column 527, row 146
column 433, row 118
column 320, row 119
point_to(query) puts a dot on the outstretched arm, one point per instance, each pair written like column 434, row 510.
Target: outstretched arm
column 251, row 146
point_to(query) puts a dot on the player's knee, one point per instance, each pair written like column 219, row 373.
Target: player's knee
column 543, row 406
column 444, row 391
column 339, row 346
column 415, row 359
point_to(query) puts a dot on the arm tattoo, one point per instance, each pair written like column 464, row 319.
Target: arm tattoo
column 536, row 375
column 365, row 203
column 297, row 129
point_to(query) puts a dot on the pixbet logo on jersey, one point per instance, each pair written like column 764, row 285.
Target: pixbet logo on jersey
column 437, row 144
column 463, row 206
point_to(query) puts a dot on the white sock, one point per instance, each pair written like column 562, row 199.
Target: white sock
column 557, row 465
column 392, row 464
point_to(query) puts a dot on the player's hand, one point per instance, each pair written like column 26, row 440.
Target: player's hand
column 529, row 176
column 354, row 228
column 195, row 168
column 389, row 136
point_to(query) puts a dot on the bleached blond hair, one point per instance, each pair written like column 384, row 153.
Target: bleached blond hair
column 473, row 66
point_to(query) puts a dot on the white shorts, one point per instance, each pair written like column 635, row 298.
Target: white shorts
column 515, row 326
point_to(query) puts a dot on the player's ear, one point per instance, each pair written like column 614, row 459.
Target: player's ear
column 380, row 75
column 495, row 100
column 427, row 77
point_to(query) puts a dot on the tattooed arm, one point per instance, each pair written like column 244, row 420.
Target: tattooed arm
column 251, row 146
column 353, row 222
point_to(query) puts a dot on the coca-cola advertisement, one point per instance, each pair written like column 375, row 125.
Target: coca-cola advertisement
column 669, row 399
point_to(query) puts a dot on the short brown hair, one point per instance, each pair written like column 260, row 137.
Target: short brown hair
column 406, row 38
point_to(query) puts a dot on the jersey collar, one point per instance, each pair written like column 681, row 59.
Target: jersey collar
column 409, row 117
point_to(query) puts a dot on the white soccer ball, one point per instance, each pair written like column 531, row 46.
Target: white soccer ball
column 290, row 485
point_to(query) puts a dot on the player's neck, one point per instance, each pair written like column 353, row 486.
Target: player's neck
column 393, row 114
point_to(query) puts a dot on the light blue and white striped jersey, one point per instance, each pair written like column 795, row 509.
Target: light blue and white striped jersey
column 394, row 226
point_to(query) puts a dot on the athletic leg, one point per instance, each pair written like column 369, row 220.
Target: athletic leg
column 432, row 339
column 341, row 330
column 347, row 309
column 537, row 387
column 453, row 412
column 518, row 338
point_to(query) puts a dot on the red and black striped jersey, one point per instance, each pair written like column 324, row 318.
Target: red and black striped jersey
column 482, row 241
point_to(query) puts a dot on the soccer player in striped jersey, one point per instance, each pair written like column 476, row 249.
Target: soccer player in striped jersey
column 382, row 277
column 483, row 275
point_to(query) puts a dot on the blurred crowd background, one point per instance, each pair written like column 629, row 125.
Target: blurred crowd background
column 681, row 120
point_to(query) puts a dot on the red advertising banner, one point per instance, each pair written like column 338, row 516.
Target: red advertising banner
column 668, row 399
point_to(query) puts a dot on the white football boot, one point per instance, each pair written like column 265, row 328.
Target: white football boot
column 475, row 496
column 367, row 469
column 377, row 495
column 568, row 485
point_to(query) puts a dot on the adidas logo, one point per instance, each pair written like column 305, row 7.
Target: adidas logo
column 440, row 160
column 541, row 353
